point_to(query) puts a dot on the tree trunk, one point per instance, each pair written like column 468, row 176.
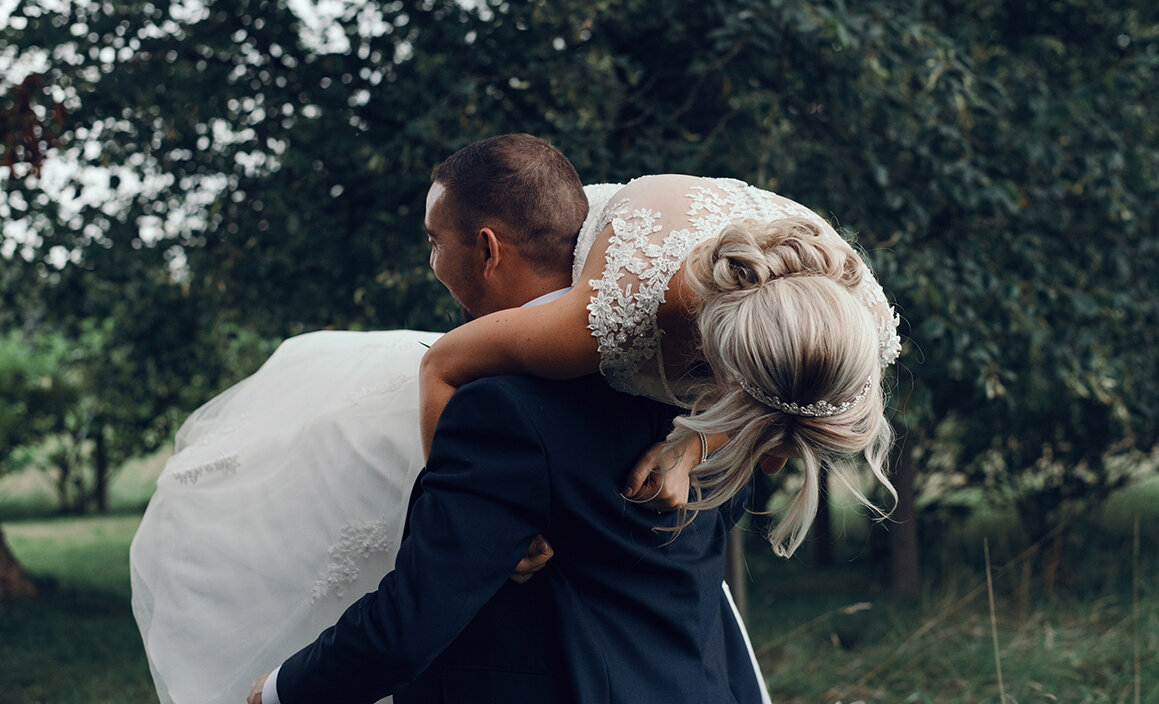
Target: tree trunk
column 101, row 483
column 904, row 531
column 14, row 582
column 823, row 525
column 735, row 572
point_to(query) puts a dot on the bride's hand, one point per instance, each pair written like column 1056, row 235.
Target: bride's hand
column 538, row 553
column 669, row 490
column 660, row 490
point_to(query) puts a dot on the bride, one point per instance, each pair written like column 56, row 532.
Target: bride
column 285, row 498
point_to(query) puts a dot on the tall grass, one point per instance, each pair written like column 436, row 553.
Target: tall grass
column 1092, row 636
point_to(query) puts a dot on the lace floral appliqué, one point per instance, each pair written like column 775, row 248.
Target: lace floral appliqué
column 623, row 317
column 357, row 542
column 223, row 466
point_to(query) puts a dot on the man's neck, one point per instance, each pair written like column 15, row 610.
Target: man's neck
column 532, row 288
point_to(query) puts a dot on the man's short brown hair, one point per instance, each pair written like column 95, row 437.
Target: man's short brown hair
column 524, row 183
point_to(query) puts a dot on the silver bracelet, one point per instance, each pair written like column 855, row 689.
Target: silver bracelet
column 703, row 446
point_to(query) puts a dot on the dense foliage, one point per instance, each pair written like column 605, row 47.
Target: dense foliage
column 250, row 174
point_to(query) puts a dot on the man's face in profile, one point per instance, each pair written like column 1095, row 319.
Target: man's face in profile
column 452, row 257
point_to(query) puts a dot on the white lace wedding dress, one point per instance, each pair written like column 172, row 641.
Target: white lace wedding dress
column 285, row 497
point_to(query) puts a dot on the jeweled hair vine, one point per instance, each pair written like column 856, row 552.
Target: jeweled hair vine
column 816, row 409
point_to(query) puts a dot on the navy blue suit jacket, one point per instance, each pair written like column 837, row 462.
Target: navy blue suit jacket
column 622, row 613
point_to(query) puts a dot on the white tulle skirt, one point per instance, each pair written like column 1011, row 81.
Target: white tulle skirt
column 283, row 503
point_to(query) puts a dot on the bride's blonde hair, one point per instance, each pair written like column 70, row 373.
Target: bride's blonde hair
column 778, row 313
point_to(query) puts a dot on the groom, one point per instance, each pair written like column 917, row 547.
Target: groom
column 623, row 612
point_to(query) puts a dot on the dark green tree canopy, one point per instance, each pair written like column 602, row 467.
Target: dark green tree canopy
column 997, row 161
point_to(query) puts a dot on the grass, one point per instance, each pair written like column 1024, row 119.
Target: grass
column 825, row 636
column 77, row 642
column 78, row 553
column 836, row 636
column 941, row 650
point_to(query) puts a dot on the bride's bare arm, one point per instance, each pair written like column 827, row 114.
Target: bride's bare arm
column 550, row 341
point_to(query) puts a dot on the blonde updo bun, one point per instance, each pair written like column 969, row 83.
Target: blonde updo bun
column 747, row 254
column 778, row 311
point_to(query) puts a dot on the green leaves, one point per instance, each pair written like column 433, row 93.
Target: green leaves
column 999, row 162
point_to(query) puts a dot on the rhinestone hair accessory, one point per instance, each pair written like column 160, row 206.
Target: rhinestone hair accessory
column 817, row 409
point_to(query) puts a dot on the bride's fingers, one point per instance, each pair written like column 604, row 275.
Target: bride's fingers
column 669, row 490
column 538, row 553
column 651, row 490
column 666, row 490
column 675, row 491
column 642, row 473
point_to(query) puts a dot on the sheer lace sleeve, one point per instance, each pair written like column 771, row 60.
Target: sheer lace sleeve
column 872, row 295
column 598, row 196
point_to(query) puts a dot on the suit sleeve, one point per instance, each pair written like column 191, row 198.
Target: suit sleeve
column 484, row 498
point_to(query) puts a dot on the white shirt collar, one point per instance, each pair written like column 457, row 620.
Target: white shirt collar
column 547, row 297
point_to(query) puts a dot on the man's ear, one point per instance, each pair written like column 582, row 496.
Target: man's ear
column 491, row 248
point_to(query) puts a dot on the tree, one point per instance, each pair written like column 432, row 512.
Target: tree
column 261, row 176
column 1045, row 345
column 30, row 397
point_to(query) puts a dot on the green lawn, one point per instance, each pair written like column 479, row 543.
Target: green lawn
column 77, row 642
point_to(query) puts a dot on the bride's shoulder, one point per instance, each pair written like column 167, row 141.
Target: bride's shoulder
column 654, row 190
column 665, row 183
